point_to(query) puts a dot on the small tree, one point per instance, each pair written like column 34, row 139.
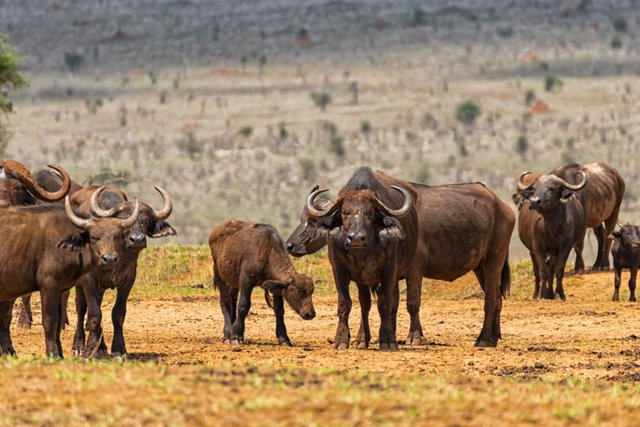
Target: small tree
column 246, row 131
column 10, row 79
column 616, row 42
column 551, row 82
column 467, row 112
column 529, row 97
column 522, row 145
column 73, row 61
column 321, row 99
column 620, row 25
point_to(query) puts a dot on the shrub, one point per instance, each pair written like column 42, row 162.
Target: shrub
column 246, row 131
column 620, row 25
column 308, row 169
column 467, row 112
column 365, row 127
column 321, row 99
column 283, row 131
column 336, row 145
column 424, row 173
column 505, row 32
column 190, row 145
column 73, row 61
column 551, row 82
column 529, row 97
column 616, row 42
column 522, row 145
column 419, row 17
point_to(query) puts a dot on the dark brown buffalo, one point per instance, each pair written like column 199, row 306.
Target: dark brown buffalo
column 47, row 249
column 626, row 254
column 601, row 199
column 551, row 222
column 246, row 255
column 52, row 183
column 121, row 276
column 462, row 228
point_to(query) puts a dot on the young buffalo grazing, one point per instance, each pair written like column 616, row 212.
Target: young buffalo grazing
column 246, row 255
column 460, row 228
column 47, row 249
column 552, row 224
column 626, row 254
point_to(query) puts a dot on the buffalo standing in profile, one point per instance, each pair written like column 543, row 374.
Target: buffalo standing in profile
column 551, row 225
column 626, row 254
column 459, row 228
column 246, row 255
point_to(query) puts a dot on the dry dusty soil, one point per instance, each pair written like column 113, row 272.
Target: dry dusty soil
column 559, row 363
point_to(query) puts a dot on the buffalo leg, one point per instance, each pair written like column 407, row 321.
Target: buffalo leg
column 51, row 309
column 6, row 311
column 244, row 305
column 118, row 348
column 561, row 262
column 490, row 332
column 26, row 316
column 616, row 283
column 414, row 295
column 364, row 334
column 633, row 271
column 386, row 302
column 600, row 263
column 536, row 274
column 64, row 300
column 549, row 269
column 579, row 265
column 95, row 342
column 281, row 329
column 343, row 336
column 226, row 305
column 81, row 311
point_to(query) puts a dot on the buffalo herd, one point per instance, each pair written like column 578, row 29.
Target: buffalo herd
column 379, row 230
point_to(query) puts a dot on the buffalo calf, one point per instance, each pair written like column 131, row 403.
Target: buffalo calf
column 626, row 254
column 246, row 255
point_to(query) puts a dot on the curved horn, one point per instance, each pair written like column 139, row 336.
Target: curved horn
column 25, row 177
column 405, row 207
column 521, row 185
column 96, row 209
column 311, row 209
column 168, row 204
column 575, row 187
column 75, row 220
column 128, row 223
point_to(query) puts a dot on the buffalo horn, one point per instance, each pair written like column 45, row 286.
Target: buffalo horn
column 95, row 207
column 311, row 209
column 521, row 185
column 575, row 187
column 128, row 223
column 18, row 170
column 405, row 207
column 75, row 220
column 168, row 204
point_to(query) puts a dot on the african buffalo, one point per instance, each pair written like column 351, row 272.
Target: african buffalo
column 461, row 228
column 600, row 198
column 552, row 224
column 48, row 248
column 121, row 276
column 246, row 255
column 626, row 254
column 18, row 187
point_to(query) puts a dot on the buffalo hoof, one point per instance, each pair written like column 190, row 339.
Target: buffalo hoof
column 617, row 298
column 560, row 297
column 285, row 343
column 341, row 346
column 9, row 352
column 632, row 298
column 414, row 338
column 361, row 344
column 237, row 341
column 486, row 344
column 76, row 353
column 120, row 357
column 388, row 346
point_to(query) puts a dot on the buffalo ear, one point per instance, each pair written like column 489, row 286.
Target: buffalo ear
column 392, row 230
column 274, row 286
column 74, row 242
column 617, row 233
column 161, row 229
column 566, row 195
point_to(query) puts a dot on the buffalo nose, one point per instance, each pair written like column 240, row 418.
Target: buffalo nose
column 289, row 246
column 535, row 200
column 309, row 315
column 136, row 238
column 356, row 238
column 108, row 258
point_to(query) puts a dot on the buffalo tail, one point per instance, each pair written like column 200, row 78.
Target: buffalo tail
column 505, row 278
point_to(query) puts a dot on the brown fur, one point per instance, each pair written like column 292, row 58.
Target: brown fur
column 246, row 255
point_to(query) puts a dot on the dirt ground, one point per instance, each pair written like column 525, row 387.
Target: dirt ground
column 559, row 362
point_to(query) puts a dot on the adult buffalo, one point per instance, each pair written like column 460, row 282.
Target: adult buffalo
column 600, row 198
column 461, row 228
column 553, row 223
column 47, row 249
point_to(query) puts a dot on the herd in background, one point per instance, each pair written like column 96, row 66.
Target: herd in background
column 379, row 230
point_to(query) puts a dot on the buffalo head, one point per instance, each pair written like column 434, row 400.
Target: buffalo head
column 150, row 222
column 19, row 187
column 310, row 235
column 104, row 236
column 546, row 191
column 361, row 216
column 628, row 235
column 297, row 291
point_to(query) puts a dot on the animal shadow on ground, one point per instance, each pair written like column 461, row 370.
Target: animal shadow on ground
column 146, row 357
